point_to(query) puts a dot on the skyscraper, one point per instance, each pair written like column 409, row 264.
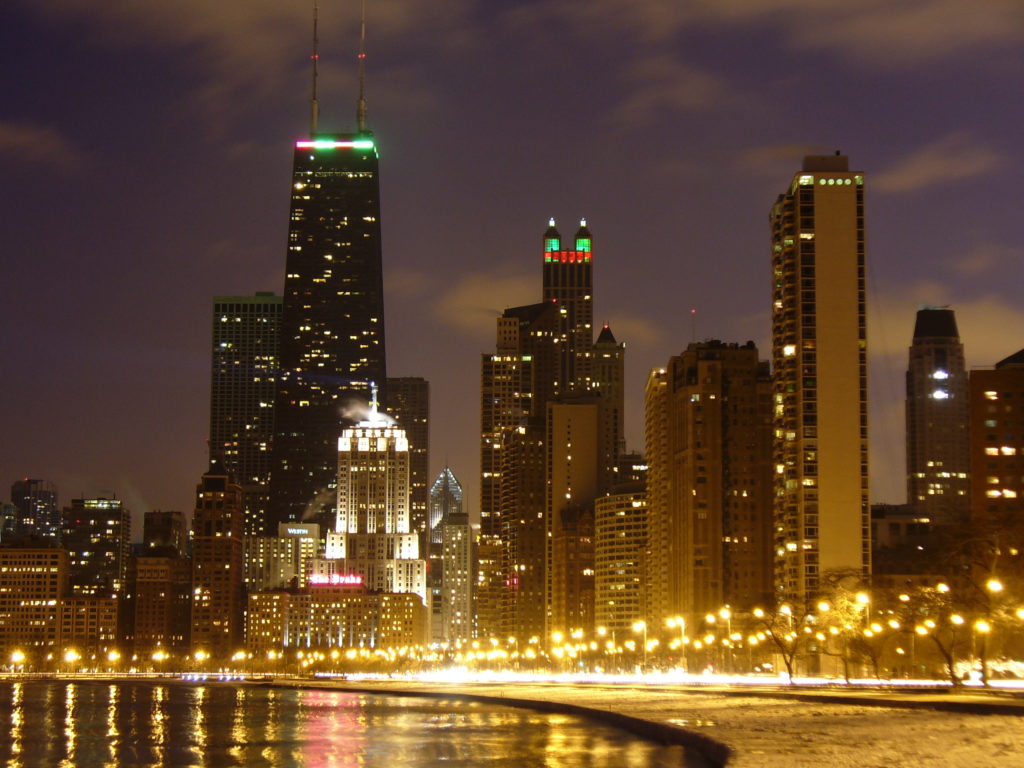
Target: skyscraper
column 445, row 500
column 332, row 324
column 372, row 538
column 569, row 283
column 937, row 442
column 246, row 339
column 819, row 362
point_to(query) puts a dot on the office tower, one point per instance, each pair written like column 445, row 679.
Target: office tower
column 408, row 402
column 516, row 383
column 620, row 538
column 819, row 363
column 457, row 578
column 246, row 340
column 332, row 324
column 569, row 283
column 164, row 530
column 445, row 500
column 97, row 536
column 574, row 476
column 372, row 538
column 712, row 448
column 997, row 450
column 659, row 598
column 38, row 515
column 32, row 582
column 937, row 441
column 217, row 587
column 609, row 364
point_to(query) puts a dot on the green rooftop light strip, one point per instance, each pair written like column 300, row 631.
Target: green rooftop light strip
column 583, row 244
column 332, row 144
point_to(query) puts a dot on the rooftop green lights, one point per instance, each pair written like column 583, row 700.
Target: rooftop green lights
column 583, row 244
column 332, row 144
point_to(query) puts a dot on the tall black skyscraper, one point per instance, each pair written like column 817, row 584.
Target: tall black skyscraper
column 332, row 326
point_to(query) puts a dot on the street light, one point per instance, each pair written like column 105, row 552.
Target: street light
column 641, row 626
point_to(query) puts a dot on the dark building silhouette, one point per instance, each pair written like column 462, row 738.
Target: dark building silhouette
column 164, row 529
column 37, row 514
column 938, row 485
column 246, row 338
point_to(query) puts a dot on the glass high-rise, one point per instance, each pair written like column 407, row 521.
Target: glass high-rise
column 332, row 325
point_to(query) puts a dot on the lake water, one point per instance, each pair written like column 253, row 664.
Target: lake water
column 93, row 723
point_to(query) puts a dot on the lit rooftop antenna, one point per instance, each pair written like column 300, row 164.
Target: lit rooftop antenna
column 314, row 111
column 361, row 104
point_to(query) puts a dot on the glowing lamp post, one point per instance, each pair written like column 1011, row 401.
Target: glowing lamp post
column 641, row 627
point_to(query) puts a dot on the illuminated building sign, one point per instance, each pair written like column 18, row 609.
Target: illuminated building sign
column 336, row 579
column 331, row 144
column 298, row 532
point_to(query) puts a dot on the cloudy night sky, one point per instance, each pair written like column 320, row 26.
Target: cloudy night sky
column 145, row 151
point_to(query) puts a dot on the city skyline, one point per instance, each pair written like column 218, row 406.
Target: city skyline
column 159, row 208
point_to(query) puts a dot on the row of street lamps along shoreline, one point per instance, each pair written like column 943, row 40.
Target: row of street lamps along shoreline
column 927, row 634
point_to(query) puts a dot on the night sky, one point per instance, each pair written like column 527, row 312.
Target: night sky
column 145, row 151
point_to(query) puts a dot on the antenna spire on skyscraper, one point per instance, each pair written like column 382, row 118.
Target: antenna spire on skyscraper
column 314, row 112
column 361, row 104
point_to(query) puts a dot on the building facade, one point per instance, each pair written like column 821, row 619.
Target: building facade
column 97, row 536
column 246, row 357
column 938, row 485
column 620, row 539
column 36, row 512
column 819, row 364
column 332, row 322
column 408, row 403
column 217, row 579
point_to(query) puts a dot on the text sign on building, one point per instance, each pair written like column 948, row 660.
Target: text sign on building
column 336, row 579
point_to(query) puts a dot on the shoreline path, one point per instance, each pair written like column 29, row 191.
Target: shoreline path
column 770, row 728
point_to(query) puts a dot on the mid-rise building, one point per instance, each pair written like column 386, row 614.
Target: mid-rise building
column 819, row 364
column 89, row 626
column 333, row 616
column 938, row 486
column 33, row 581
column 156, row 609
column 217, row 583
column 661, row 594
column 97, row 536
column 246, row 358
